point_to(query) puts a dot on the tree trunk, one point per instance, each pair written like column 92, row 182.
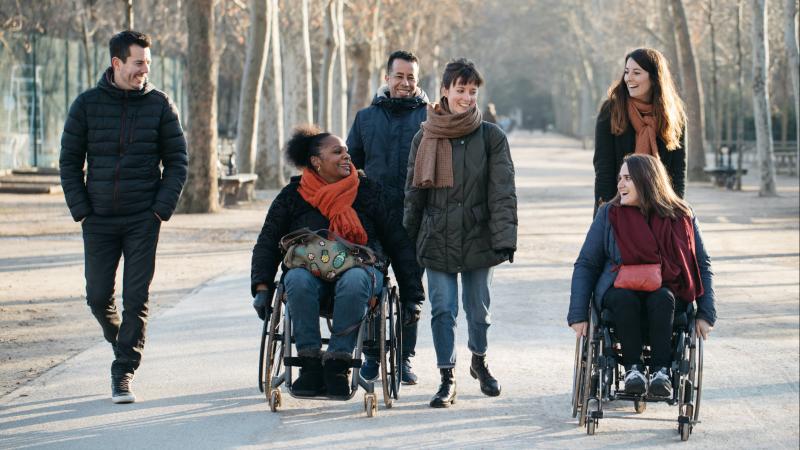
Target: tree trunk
column 790, row 36
column 252, row 81
column 341, row 124
column 269, row 163
column 86, row 39
column 129, row 14
column 693, row 95
column 200, row 194
column 740, row 104
column 297, row 62
column 761, row 109
column 670, row 47
column 309, row 97
column 361, row 61
column 716, row 113
column 326, row 70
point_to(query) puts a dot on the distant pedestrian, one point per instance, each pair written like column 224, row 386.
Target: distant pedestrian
column 490, row 113
column 461, row 211
column 122, row 129
column 643, row 114
column 379, row 142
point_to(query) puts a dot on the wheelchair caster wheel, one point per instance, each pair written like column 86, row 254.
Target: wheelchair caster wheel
column 274, row 400
column 685, row 429
column 639, row 406
column 370, row 405
column 591, row 424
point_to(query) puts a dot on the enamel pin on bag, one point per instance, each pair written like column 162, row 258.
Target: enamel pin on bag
column 324, row 253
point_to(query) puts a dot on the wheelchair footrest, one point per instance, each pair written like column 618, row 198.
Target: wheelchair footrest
column 296, row 361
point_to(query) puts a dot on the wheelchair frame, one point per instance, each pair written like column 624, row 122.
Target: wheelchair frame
column 598, row 365
column 382, row 324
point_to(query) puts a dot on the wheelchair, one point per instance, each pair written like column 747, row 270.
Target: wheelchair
column 381, row 325
column 598, row 371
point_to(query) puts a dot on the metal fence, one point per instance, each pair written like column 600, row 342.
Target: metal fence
column 40, row 76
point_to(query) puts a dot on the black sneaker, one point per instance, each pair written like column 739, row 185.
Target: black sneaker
column 635, row 382
column 121, row 388
column 660, row 383
column 407, row 375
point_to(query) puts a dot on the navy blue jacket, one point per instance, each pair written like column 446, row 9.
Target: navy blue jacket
column 123, row 137
column 380, row 140
column 594, row 275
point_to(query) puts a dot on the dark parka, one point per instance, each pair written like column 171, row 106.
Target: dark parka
column 289, row 212
column 472, row 225
column 122, row 136
column 609, row 150
column 380, row 139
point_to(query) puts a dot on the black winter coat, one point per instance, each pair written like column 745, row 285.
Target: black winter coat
column 123, row 136
column 609, row 150
column 289, row 212
column 380, row 139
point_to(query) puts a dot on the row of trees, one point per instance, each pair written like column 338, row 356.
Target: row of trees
column 256, row 68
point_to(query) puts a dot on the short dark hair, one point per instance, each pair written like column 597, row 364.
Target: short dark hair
column 461, row 70
column 120, row 44
column 304, row 144
column 400, row 54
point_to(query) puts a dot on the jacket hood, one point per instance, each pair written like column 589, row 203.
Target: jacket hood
column 106, row 83
column 382, row 99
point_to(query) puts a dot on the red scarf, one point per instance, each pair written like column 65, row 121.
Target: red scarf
column 335, row 202
column 665, row 240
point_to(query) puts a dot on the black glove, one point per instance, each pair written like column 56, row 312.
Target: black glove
column 508, row 253
column 411, row 312
column 261, row 303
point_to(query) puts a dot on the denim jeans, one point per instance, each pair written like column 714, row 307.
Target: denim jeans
column 351, row 292
column 443, row 294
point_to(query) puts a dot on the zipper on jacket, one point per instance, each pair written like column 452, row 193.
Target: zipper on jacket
column 120, row 150
column 132, row 129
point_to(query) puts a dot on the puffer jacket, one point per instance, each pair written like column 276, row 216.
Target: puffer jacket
column 594, row 270
column 380, row 139
column 472, row 225
column 609, row 150
column 290, row 212
column 123, row 136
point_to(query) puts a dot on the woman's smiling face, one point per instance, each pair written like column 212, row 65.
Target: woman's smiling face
column 461, row 97
column 627, row 190
column 333, row 162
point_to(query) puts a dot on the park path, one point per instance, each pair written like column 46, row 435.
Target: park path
column 197, row 385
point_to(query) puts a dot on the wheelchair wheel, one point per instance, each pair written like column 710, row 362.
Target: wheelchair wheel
column 698, row 379
column 577, row 372
column 271, row 354
column 586, row 385
column 390, row 332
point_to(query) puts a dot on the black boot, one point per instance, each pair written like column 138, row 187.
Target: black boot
column 480, row 371
column 337, row 380
column 446, row 395
column 310, row 382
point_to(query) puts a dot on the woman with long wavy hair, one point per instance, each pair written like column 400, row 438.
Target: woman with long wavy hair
column 643, row 114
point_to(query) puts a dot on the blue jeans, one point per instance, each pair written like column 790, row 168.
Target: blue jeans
column 443, row 294
column 351, row 292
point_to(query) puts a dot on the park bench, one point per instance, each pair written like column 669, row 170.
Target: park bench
column 238, row 187
column 725, row 174
column 785, row 157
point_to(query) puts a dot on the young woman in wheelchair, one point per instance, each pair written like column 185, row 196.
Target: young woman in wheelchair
column 329, row 194
column 643, row 257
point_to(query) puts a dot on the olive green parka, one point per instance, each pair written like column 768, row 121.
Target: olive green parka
column 472, row 225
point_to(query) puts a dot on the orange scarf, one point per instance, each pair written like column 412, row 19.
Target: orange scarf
column 641, row 117
column 335, row 202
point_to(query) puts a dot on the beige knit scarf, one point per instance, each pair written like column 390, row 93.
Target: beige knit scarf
column 433, row 166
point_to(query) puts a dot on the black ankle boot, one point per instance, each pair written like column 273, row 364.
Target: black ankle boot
column 446, row 395
column 480, row 371
column 310, row 382
column 337, row 381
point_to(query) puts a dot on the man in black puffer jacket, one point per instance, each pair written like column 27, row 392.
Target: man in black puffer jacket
column 123, row 129
column 379, row 142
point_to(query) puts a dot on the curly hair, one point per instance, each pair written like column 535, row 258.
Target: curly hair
column 304, row 144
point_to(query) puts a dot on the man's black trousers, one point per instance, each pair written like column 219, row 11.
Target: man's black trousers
column 105, row 239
